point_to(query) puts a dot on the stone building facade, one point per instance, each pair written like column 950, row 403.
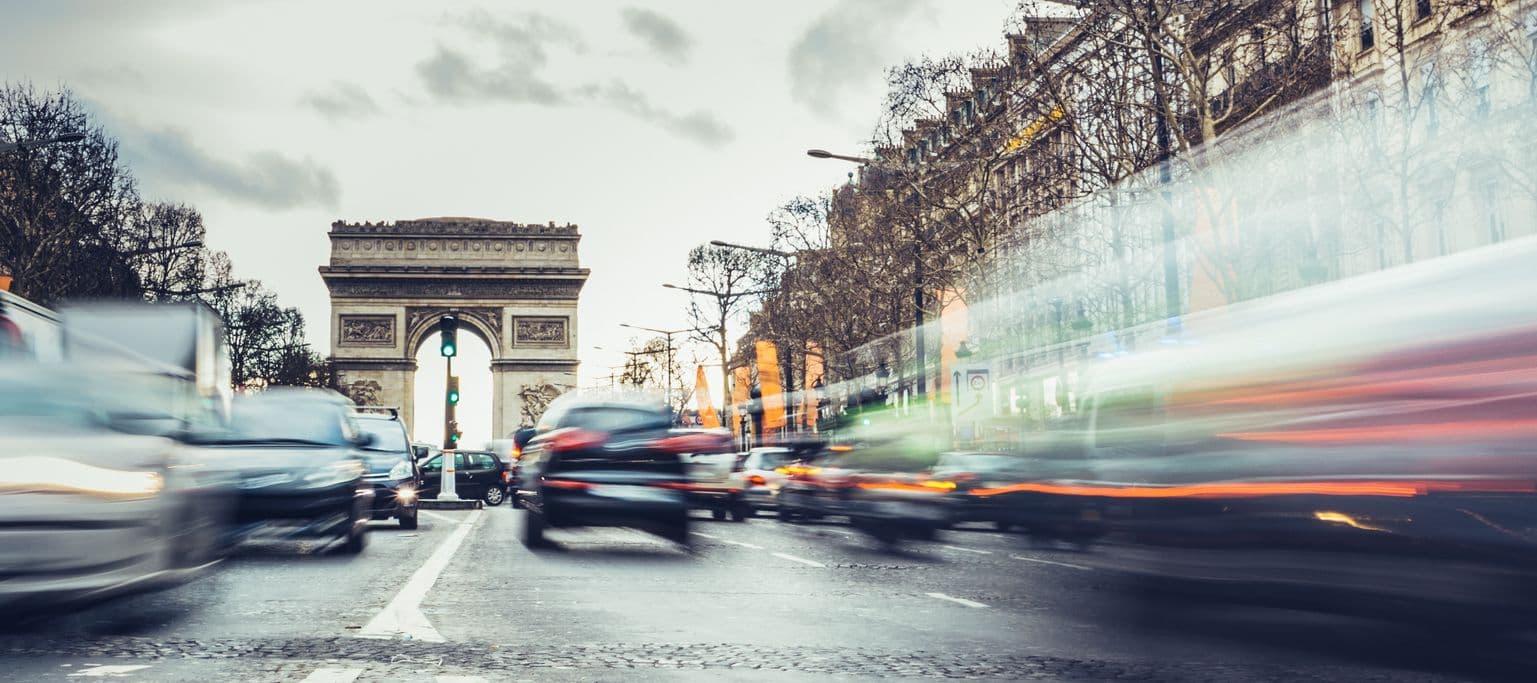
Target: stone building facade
column 515, row 286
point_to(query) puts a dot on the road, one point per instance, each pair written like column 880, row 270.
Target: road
column 461, row 600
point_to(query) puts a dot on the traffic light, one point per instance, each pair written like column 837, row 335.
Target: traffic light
column 453, row 390
column 454, row 434
column 448, row 331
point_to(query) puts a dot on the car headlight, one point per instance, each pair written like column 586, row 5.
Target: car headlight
column 401, row 470
column 339, row 472
column 45, row 474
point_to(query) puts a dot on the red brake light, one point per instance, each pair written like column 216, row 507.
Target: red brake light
column 506, row 477
column 573, row 439
column 697, row 442
column 567, row 484
column 756, row 480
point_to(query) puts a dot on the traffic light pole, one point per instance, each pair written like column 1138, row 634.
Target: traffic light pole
column 447, row 487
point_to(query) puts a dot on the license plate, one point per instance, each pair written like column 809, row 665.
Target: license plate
column 635, row 493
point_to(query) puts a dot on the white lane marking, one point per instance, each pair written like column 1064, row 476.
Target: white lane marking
column 702, row 534
column 333, row 676
column 442, row 678
column 744, row 545
column 967, row 550
column 1069, row 565
column 802, row 560
column 958, row 601
column 438, row 516
column 403, row 616
column 109, row 670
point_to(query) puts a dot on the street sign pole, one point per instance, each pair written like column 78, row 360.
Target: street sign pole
column 447, row 488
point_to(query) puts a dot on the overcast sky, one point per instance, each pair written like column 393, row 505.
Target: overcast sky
column 654, row 126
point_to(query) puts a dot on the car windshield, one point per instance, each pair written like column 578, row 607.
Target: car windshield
column 388, row 435
column 768, row 460
column 256, row 421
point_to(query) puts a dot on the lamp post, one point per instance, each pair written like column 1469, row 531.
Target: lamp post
column 71, row 136
column 920, row 352
column 669, row 335
column 723, row 301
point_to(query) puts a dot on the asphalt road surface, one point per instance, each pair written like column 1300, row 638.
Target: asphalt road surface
column 460, row 600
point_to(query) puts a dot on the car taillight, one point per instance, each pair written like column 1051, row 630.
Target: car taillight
column 757, row 480
column 567, row 484
column 696, row 442
column 573, row 439
column 506, row 477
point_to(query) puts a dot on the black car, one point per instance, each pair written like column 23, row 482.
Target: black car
column 478, row 474
column 391, row 467
column 300, row 466
column 609, row 463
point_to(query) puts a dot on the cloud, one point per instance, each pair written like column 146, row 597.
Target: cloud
column 342, row 101
column 168, row 159
column 522, row 46
column 517, row 73
column 845, row 49
column 700, row 126
column 663, row 35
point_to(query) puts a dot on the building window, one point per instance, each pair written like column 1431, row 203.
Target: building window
column 1421, row 9
column 1368, row 21
column 1478, row 74
column 1493, row 216
column 1430, row 93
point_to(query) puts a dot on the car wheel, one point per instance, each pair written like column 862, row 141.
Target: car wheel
column 533, row 530
column 717, row 514
column 494, row 496
column 1003, row 526
column 740, row 512
column 408, row 520
column 355, row 540
column 785, row 513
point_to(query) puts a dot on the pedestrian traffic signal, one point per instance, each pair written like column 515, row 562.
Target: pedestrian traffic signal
column 453, row 390
column 448, row 331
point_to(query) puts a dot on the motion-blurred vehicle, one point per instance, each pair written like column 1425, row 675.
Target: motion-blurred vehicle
column 392, row 469
column 28, row 331
column 101, row 493
column 760, row 473
column 1365, row 446
column 297, row 454
column 882, row 486
column 609, row 462
column 510, row 451
column 477, row 474
column 971, row 471
column 713, row 487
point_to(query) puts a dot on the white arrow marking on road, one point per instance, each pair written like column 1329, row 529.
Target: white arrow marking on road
column 403, row 616
column 802, row 560
column 113, row 670
column 1059, row 564
column 333, row 676
column 744, row 545
column 958, row 601
column 967, row 550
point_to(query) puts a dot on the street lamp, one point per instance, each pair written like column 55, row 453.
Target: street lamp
column 669, row 335
column 760, row 250
column 921, row 354
column 71, row 136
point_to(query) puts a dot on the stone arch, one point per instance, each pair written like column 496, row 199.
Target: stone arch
column 515, row 286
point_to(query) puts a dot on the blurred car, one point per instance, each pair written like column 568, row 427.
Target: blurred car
column 609, row 462
column 882, row 486
column 980, row 471
column 478, row 474
column 392, row 468
column 510, row 451
column 712, row 485
column 100, row 493
column 761, row 472
column 297, row 453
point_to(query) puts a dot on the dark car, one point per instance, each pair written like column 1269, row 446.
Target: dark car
column 478, row 474
column 300, row 465
column 511, row 452
column 609, row 463
column 391, row 467
column 881, row 487
column 969, row 476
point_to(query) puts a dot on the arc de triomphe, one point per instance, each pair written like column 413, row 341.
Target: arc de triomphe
column 515, row 286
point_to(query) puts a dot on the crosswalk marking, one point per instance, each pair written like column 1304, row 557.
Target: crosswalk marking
column 333, row 676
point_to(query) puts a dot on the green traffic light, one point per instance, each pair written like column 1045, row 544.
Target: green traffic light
column 453, row 397
column 448, row 350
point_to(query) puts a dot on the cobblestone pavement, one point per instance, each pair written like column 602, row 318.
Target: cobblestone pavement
column 757, row 601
